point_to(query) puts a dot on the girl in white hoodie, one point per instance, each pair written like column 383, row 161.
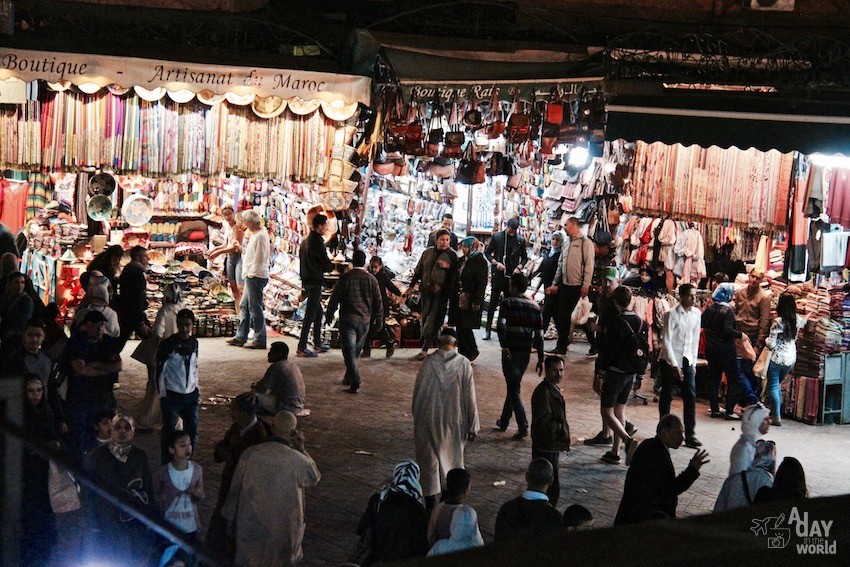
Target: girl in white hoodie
column 754, row 423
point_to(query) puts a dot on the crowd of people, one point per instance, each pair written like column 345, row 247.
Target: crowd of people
column 259, row 514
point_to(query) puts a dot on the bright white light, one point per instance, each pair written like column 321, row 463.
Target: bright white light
column 578, row 157
column 561, row 149
column 837, row 161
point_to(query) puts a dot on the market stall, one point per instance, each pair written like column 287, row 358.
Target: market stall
column 106, row 150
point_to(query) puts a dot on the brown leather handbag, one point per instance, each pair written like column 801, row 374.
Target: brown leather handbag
column 470, row 171
column 496, row 125
column 519, row 123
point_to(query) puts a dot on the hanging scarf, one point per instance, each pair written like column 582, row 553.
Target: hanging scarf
column 405, row 480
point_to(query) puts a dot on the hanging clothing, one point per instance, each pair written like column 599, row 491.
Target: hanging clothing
column 14, row 204
column 838, row 202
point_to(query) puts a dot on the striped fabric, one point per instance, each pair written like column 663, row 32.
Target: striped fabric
column 518, row 319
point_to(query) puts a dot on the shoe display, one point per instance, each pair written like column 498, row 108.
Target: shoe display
column 599, row 440
column 692, row 442
column 306, row 353
column 390, row 349
column 631, row 446
column 611, row 458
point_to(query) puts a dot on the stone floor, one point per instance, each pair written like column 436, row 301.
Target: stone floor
column 356, row 440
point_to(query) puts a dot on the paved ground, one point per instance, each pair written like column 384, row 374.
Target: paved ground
column 356, row 440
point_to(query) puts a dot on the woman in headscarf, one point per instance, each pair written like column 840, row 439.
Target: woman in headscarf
column 165, row 325
column 720, row 334
column 98, row 296
column 38, row 524
column 739, row 490
column 465, row 533
column 9, row 264
column 396, row 516
column 121, row 469
column 789, row 484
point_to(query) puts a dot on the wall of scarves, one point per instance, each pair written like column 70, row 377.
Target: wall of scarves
column 70, row 129
column 747, row 188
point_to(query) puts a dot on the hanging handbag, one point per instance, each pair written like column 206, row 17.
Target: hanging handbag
column 519, row 123
column 497, row 126
column 470, row 171
column 435, row 129
column 586, row 210
column 453, row 147
column 414, row 136
column 555, row 108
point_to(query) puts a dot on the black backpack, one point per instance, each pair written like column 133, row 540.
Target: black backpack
column 635, row 357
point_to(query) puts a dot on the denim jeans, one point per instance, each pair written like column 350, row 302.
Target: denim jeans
column 251, row 311
column 352, row 335
column 176, row 405
column 775, row 374
column 749, row 384
column 513, row 368
column 312, row 316
column 720, row 363
column 687, row 386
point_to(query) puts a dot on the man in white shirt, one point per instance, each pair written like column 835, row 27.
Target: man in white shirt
column 255, row 271
column 680, row 346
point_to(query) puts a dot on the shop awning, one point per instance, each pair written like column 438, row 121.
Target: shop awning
column 104, row 70
column 746, row 121
column 433, row 66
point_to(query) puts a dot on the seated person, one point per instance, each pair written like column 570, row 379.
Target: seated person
column 283, row 382
column 530, row 515
column 577, row 517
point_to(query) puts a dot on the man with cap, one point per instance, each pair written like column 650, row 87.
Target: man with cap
column 245, row 432
column 572, row 280
column 265, row 505
column 434, row 272
column 98, row 296
column 283, row 382
column 91, row 362
column 358, row 297
column 467, row 298
column 446, row 223
column 506, row 254
column 445, row 414
column 520, row 327
column 603, row 252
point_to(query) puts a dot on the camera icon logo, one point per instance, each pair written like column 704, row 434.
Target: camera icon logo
column 778, row 536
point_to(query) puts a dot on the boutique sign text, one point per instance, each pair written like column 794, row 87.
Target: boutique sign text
column 104, row 70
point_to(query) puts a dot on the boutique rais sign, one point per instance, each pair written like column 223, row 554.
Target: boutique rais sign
column 104, row 70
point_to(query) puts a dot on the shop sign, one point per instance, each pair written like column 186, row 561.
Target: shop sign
column 104, row 70
column 542, row 90
column 13, row 92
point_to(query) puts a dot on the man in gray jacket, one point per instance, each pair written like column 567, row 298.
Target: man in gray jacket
column 572, row 280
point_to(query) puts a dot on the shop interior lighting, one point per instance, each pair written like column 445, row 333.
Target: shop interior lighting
column 837, row 161
column 579, row 156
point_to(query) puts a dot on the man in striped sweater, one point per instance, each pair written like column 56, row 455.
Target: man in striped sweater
column 520, row 327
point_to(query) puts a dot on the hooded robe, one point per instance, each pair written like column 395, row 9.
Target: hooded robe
column 444, row 414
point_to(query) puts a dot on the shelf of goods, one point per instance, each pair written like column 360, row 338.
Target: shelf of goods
column 817, row 390
column 209, row 300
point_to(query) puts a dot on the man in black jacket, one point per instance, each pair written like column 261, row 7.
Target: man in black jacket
column 550, row 433
column 359, row 298
column 507, row 254
column 448, row 224
column 652, row 488
column 314, row 264
column 530, row 515
column 386, row 285
column 467, row 298
column 132, row 287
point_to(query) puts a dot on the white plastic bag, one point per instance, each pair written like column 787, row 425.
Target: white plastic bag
column 582, row 311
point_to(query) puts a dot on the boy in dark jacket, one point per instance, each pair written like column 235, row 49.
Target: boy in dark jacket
column 385, row 282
